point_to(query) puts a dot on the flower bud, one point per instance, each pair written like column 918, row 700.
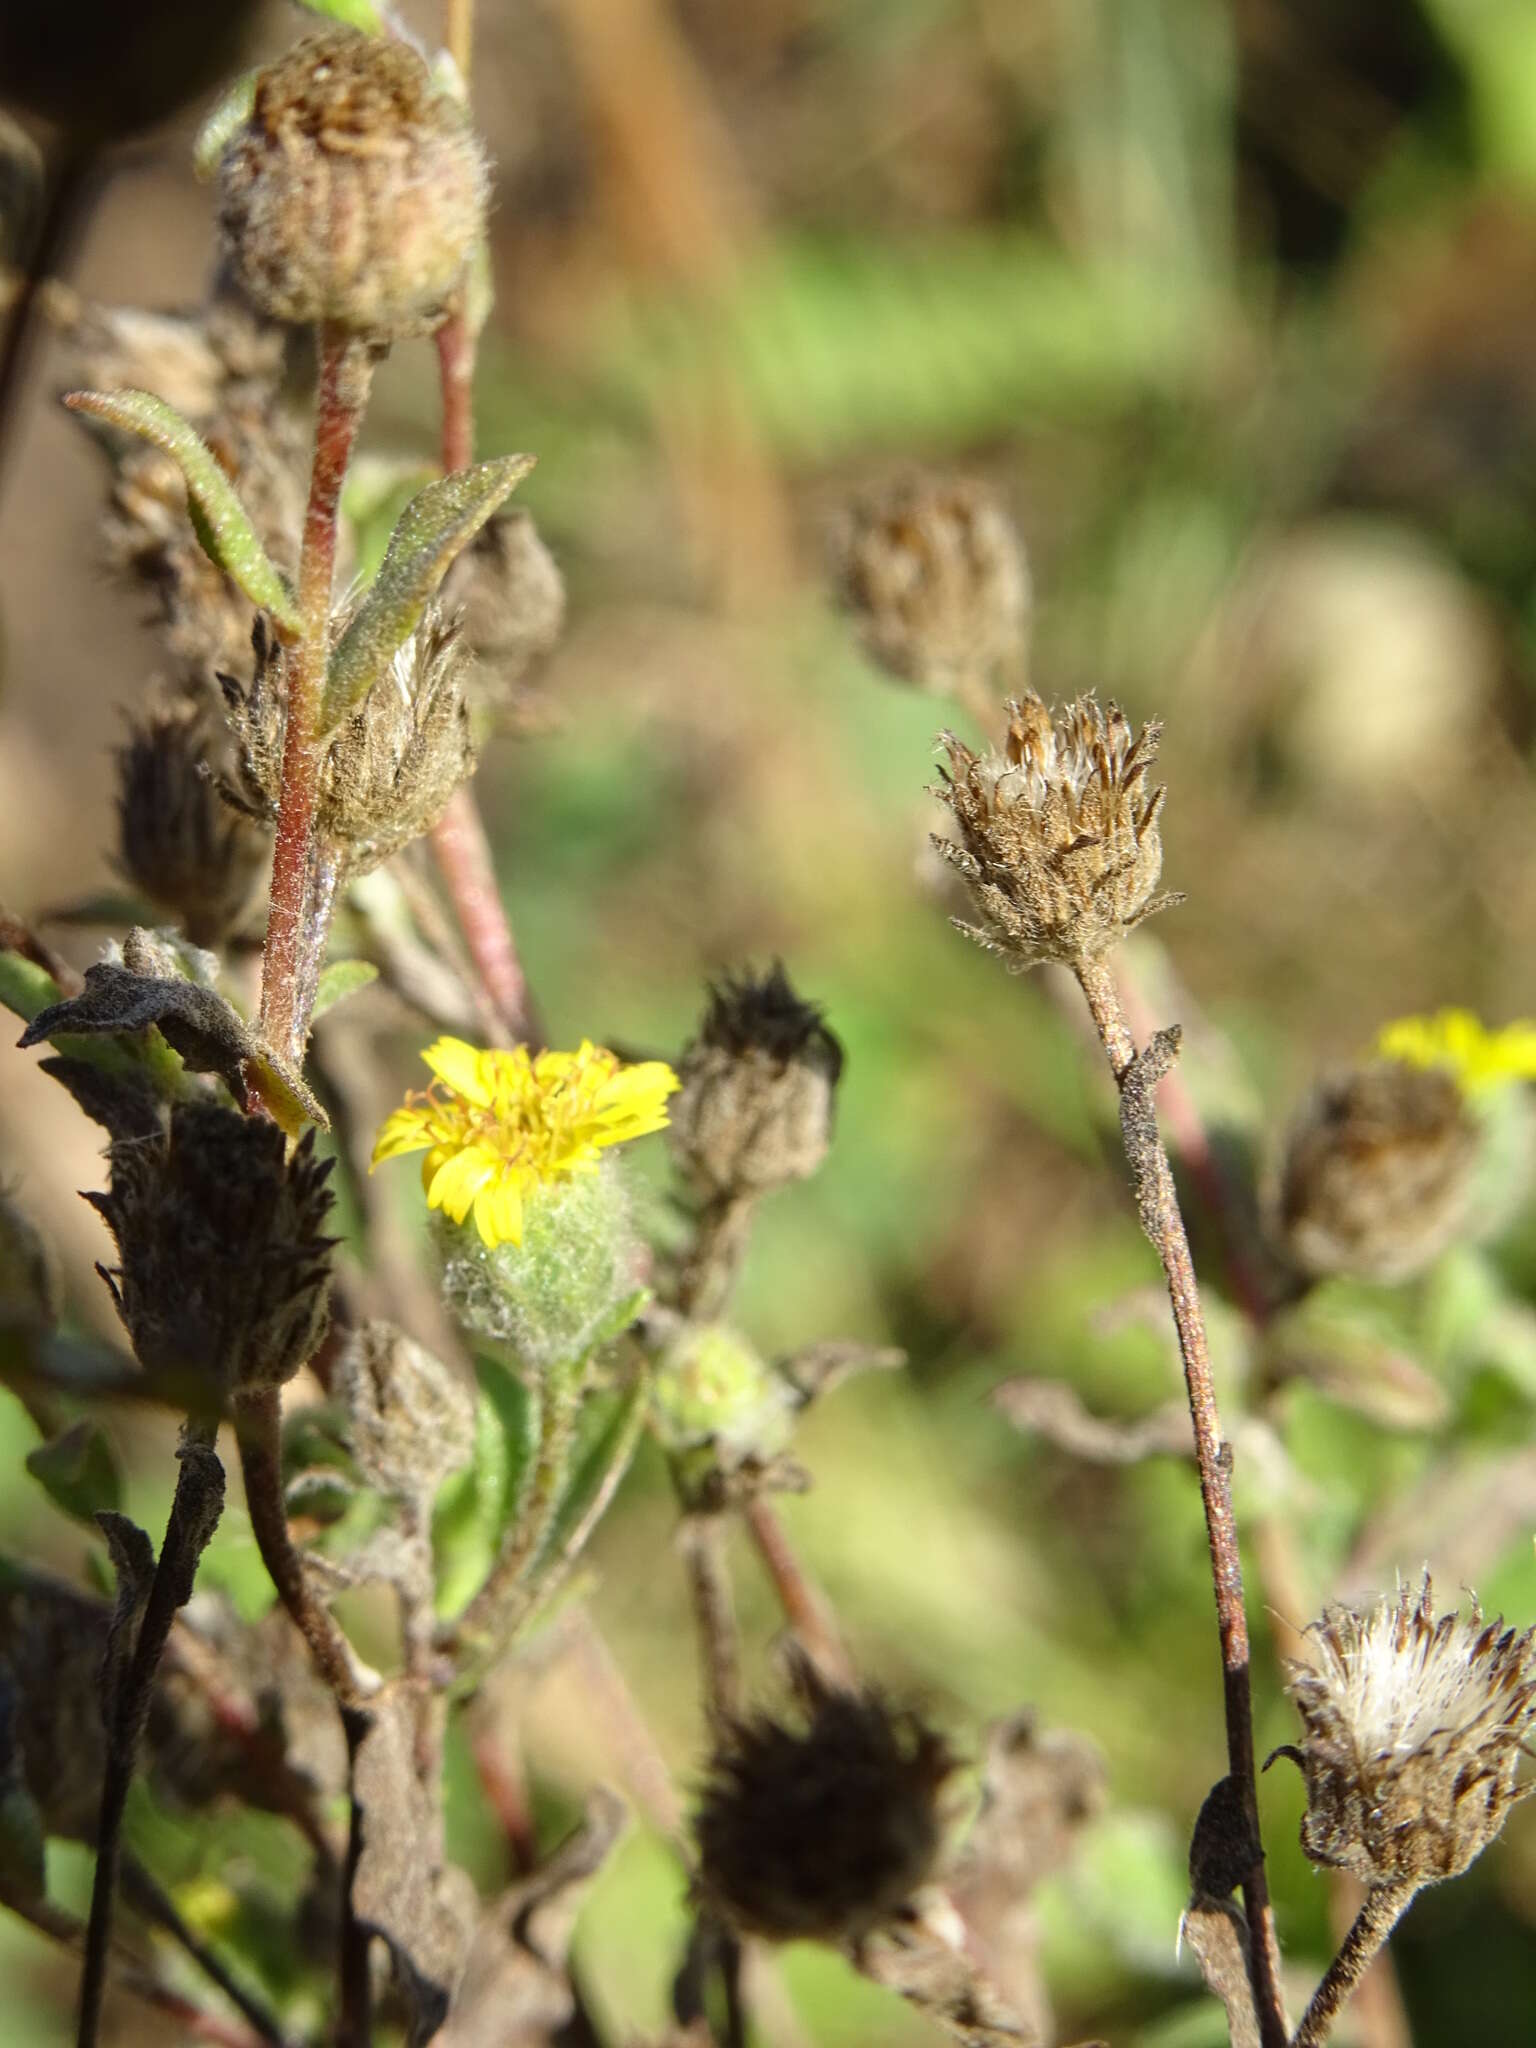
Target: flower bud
column 355, row 191
column 1378, row 1173
column 176, row 838
column 224, row 1270
column 1414, row 1733
column 758, row 1089
column 936, row 578
column 391, row 765
column 822, row 1825
column 509, row 595
column 1059, row 840
column 712, row 1389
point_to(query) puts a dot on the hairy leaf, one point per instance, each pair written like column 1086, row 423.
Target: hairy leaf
column 221, row 522
column 437, row 523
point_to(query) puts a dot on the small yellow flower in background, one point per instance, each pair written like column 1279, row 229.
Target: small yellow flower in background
column 498, row 1126
column 1475, row 1057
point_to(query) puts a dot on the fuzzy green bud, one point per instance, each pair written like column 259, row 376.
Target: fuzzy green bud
column 713, row 1389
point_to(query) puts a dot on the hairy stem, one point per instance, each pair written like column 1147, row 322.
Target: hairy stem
column 713, row 1261
column 1165, row 1226
column 1384, row 1906
column 258, row 1430
column 701, row 1539
column 346, row 372
column 805, row 1606
column 463, row 854
column 506, row 1597
column 194, row 1515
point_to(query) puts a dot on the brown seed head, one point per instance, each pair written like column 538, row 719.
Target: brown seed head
column 176, row 838
column 758, row 1089
column 1059, row 838
column 509, row 595
column 1414, row 1733
column 355, row 191
column 392, row 764
column 821, row 1826
column 410, row 1417
column 935, row 576
column 224, row 1272
column 1378, row 1172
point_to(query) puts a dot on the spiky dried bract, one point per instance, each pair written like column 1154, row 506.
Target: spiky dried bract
column 355, row 191
column 176, row 838
column 820, row 1825
column 1059, row 839
column 759, row 1087
column 392, row 764
column 224, row 1267
column 509, row 596
column 1379, row 1172
column 936, row 578
column 1414, row 1732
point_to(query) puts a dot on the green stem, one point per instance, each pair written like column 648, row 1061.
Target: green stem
column 506, row 1597
column 346, row 372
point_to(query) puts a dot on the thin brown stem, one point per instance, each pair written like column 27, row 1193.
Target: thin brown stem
column 701, row 1540
column 148, row 1897
column 713, row 1262
column 346, row 372
column 806, row 1607
column 1384, row 1906
column 354, row 2026
column 258, row 1430
column 1161, row 1217
column 464, row 860
column 195, row 1511
column 459, row 33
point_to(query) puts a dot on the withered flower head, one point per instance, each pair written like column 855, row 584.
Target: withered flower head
column 821, row 1826
column 392, row 764
column 509, row 595
column 1414, row 1732
column 936, row 578
column 354, row 192
column 1059, row 836
column 224, row 1267
column 176, row 838
column 410, row 1417
column 759, row 1084
column 1378, row 1172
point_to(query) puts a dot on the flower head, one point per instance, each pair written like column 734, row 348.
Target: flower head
column 1059, row 833
column 499, row 1126
column 823, row 1824
column 1414, row 1732
column 1459, row 1044
column 1378, row 1172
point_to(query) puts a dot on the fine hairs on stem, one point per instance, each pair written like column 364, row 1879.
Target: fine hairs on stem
column 1161, row 1218
column 1384, row 1906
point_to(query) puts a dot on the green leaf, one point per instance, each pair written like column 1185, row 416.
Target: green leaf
column 598, row 1469
column 433, row 528
column 78, row 1471
column 476, row 1505
column 230, row 112
column 361, row 14
column 342, row 978
column 221, row 522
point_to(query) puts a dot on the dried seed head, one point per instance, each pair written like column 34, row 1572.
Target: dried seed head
column 1378, row 1173
column 1414, row 1733
column 759, row 1088
column 509, row 595
column 355, row 191
column 1059, row 839
column 410, row 1417
column 224, row 1269
column 821, row 1826
column 393, row 762
column 176, row 839
column 936, row 578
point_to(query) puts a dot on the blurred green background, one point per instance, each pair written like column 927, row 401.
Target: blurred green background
column 1235, row 302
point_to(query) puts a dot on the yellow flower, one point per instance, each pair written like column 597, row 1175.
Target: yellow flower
column 498, row 1126
column 1476, row 1058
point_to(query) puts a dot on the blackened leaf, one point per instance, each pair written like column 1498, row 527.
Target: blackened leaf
column 78, row 1471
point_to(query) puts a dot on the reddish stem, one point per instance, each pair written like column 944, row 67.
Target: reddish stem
column 464, row 860
column 456, row 368
column 1213, row 1461
column 346, row 370
column 805, row 1605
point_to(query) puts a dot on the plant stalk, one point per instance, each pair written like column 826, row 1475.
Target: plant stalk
column 1384, row 1906
column 194, row 1515
column 805, row 1606
column 1165, row 1226
column 346, row 372
column 505, row 1598
column 701, row 1539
